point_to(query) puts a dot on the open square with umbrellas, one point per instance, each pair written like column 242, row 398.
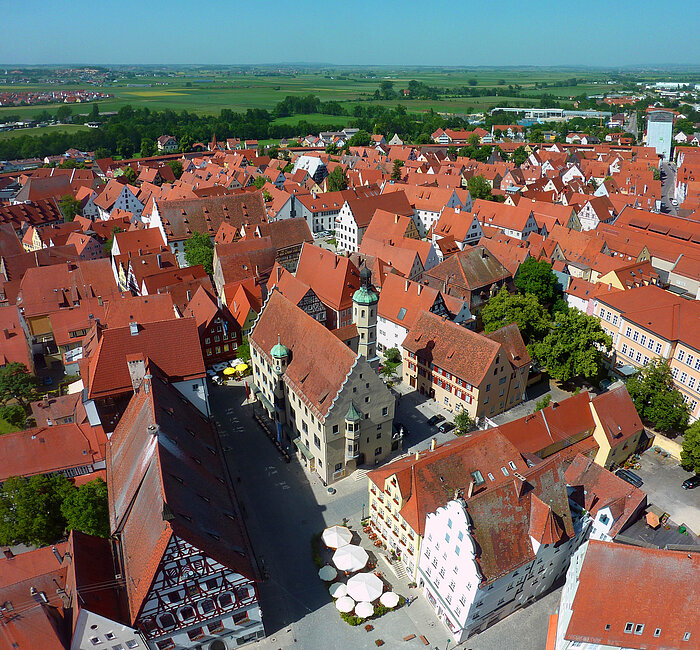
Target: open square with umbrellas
column 358, row 594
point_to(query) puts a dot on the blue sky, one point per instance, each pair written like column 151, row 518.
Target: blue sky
column 361, row 32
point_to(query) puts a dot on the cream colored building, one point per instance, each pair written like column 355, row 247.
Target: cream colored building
column 323, row 398
column 648, row 322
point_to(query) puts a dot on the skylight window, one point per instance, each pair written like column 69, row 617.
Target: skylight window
column 478, row 477
column 402, row 313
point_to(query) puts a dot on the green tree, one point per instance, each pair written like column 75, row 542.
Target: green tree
column 572, row 348
column 525, row 311
column 337, row 180
column 85, row 509
column 243, row 350
column 656, row 398
column 148, row 147
column 63, row 114
column 14, row 414
column 129, row 174
column 538, row 279
column 69, row 206
column 360, row 139
column 393, row 355
column 519, row 156
column 30, row 509
column 185, row 143
column 176, row 166
column 110, row 242
column 332, row 149
column 542, row 403
column 479, row 187
column 200, row 250
column 94, row 112
column 464, row 423
column 396, row 170
column 690, row 454
column 259, row 181
column 17, row 384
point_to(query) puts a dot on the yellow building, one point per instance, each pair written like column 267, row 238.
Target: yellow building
column 463, row 370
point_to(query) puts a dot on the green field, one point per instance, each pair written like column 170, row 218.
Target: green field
column 59, row 128
column 210, row 91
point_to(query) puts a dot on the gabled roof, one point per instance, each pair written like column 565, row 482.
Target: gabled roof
column 13, row 340
column 364, row 208
column 45, row 450
column 453, row 348
column 157, row 480
column 618, row 415
column 619, row 584
column 472, row 268
column 181, row 218
column 402, row 300
column 125, row 308
column 512, row 342
column 598, row 488
column 333, row 278
column 161, row 341
column 320, row 362
column 455, row 223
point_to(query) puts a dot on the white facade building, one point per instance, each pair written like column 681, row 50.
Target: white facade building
column 659, row 132
column 466, row 597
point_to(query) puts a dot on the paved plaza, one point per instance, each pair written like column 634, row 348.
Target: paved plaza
column 284, row 506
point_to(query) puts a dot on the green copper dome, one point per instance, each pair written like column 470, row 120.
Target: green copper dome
column 353, row 415
column 279, row 351
column 365, row 296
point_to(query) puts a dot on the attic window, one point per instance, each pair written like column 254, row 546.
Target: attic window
column 402, row 314
column 478, row 477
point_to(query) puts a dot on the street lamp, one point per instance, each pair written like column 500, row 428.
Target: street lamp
column 363, row 512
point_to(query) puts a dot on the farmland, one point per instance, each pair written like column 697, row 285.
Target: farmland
column 59, row 128
column 210, row 91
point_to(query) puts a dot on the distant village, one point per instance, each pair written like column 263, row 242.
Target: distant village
column 328, row 287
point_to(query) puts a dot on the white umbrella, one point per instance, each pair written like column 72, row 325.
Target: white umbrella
column 364, row 609
column 389, row 599
column 327, row 573
column 338, row 590
column 350, row 558
column 336, row 536
column 365, row 586
column 345, row 604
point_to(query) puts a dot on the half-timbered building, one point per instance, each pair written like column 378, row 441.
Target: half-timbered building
column 180, row 542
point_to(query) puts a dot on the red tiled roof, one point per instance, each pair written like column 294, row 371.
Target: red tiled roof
column 619, row 584
column 45, row 450
column 13, row 340
column 125, row 308
column 156, row 484
column 457, row 350
column 320, row 362
column 402, row 300
column 162, row 342
column 334, row 279
column 597, row 488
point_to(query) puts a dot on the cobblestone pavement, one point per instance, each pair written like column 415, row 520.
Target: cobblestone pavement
column 284, row 506
column 662, row 482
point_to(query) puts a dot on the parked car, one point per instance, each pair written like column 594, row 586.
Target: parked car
column 446, row 426
column 218, row 367
column 691, row 482
column 630, row 477
column 435, row 419
column 674, row 203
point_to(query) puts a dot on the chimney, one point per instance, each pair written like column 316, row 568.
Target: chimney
column 396, row 218
column 8, row 553
column 137, row 369
column 433, row 444
column 470, row 491
column 408, row 284
column 279, row 273
column 420, row 288
column 38, row 596
column 417, row 455
column 153, row 429
column 189, row 295
column 57, row 555
column 160, row 261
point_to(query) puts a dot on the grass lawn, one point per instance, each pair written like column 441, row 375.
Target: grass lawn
column 58, row 128
column 6, row 427
column 313, row 118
